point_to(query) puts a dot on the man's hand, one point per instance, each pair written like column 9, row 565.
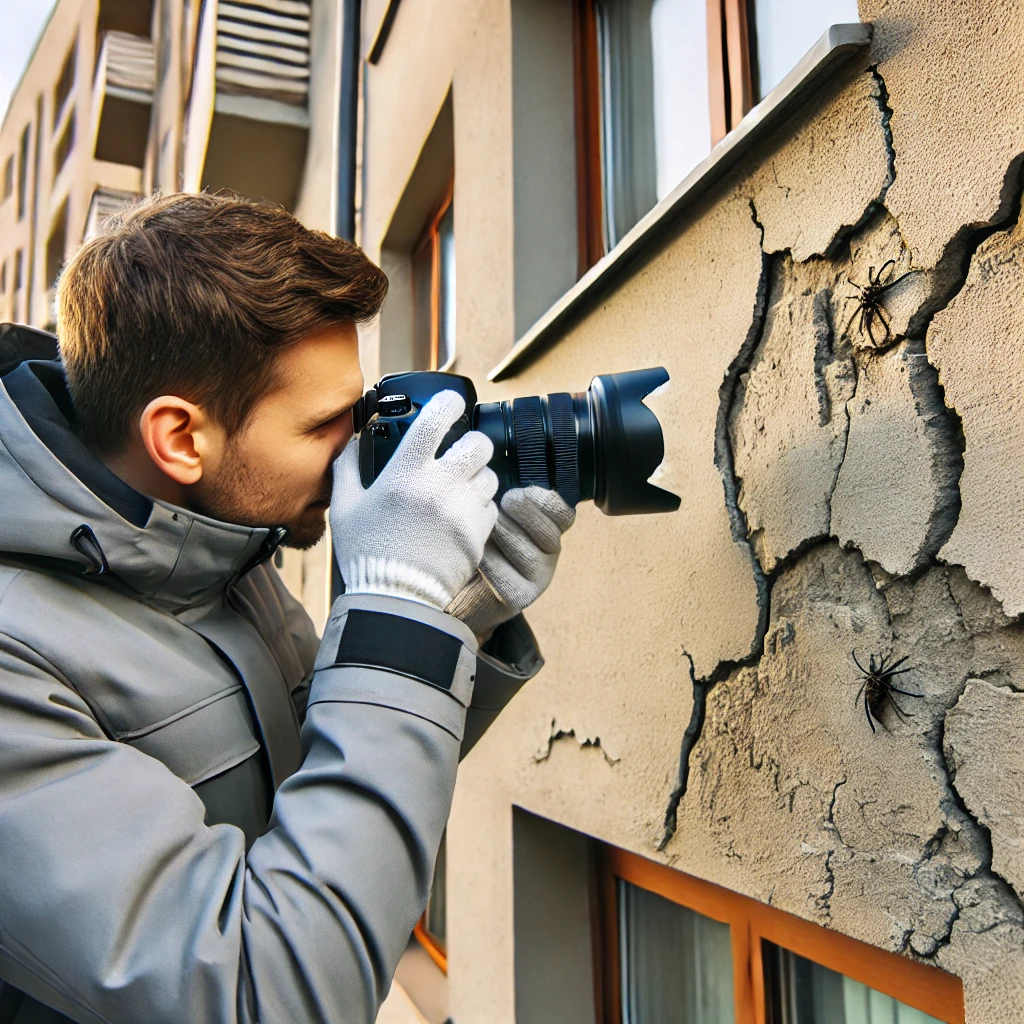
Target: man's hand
column 518, row 562
column 419, row 531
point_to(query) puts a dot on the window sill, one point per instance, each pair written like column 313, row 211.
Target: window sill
column 833, row 50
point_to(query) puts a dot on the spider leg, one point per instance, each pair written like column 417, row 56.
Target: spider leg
column 867, row 711
column 894, row 665
column 892, row 284
column 898, row 671
column 885, row 323
column 887, row 265
column 903, row 715
column 852, row 316
column 906, row 693
column 856, row 700
column 871, row 333
column 853, row 654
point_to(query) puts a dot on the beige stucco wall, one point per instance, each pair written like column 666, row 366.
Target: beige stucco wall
column 836, row 497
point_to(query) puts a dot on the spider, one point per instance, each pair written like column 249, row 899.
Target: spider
column 869, row 301
column 877, row 688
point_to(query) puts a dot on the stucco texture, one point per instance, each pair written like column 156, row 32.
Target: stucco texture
column 952, row 72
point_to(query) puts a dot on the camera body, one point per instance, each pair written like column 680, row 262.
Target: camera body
column 384, row 414
column 601, row 444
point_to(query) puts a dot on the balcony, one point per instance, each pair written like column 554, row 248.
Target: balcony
column 123, row 98
column 104, row 204
column 246, row 127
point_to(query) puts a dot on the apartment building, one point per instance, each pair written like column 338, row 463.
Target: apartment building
column 711, row 806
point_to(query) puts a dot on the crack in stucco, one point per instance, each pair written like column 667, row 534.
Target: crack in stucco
column 584, row 742
column 725, row 461
column 945, row 422
column 886, row 112
column 951, row 271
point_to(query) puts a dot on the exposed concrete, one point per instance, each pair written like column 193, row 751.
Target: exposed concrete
column 896, row 498
column 843, row 141
column 952, row 72
column 976, row 343
column 984, row 744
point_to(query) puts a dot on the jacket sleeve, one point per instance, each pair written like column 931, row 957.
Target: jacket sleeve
column 508, row 660
column 117, row 903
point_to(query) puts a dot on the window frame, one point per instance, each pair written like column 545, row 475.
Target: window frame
column 731, row 69
column 751, row 923
column 431, row 237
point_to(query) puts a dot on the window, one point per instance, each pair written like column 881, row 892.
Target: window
column 431, row 929
column 19, row 269
column 65, row 83
column 64, row 146
column 659, row 82
column 784, row 30
column 677, row 948
column 8, row 178
column 56, row 245
column 433, row 289
column 23, row 171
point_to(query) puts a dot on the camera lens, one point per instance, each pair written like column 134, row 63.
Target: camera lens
column 601, row 444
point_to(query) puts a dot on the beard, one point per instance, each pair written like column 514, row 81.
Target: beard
column 241, row 496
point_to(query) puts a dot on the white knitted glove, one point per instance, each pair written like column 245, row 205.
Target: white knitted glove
column 419, row 531
column 519, row 559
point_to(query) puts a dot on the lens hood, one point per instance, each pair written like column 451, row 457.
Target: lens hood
column 628, row 443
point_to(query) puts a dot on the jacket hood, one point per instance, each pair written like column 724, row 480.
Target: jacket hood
column 61, row 506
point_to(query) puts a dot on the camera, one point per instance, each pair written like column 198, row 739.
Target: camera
column 601, row 444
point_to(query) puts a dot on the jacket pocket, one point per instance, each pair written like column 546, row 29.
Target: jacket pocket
column 203, row 740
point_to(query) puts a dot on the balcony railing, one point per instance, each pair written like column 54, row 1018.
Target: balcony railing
column 263, row 49
column 123, row 98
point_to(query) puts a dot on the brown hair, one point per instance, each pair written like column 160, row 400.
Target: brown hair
column 194, row 295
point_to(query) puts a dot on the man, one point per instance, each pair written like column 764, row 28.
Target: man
column 205, row 814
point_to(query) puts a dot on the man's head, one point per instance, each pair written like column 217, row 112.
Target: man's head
column 211, row 353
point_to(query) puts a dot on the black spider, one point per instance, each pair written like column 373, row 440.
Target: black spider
column 869, row 301
column 877, row 688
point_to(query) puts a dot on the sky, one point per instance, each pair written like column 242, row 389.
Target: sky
column 21, row 22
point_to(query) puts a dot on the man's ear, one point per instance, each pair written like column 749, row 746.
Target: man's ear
column 180, row 438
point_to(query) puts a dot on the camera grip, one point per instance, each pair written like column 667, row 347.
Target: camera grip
column 380, row 440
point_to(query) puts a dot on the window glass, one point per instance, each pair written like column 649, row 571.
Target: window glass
column 446, row 333
column 803, row 992
column 676, row 964
column 23, row 172
column 422, row 302
column 655, row 113
column 787, row 29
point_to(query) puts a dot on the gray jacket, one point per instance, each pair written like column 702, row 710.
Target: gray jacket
column 206, row 815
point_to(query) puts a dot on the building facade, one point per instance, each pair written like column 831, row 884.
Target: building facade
column 711, row 805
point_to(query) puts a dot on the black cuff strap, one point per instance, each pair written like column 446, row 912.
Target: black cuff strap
column 392, row 642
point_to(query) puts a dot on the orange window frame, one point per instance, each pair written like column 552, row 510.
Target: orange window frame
column 431, row 239
column 435, row 949
column 751, row 924
column 731, row 67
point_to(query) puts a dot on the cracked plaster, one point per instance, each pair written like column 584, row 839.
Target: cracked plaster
column 952, row 71
column 896, row 498
column 843, row 143
column 796, row 802
column 984, row 743
column 977, row 344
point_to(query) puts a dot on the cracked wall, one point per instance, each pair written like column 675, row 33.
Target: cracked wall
column 842, row 322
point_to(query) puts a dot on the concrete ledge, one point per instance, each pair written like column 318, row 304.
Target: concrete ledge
column 833, row 50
